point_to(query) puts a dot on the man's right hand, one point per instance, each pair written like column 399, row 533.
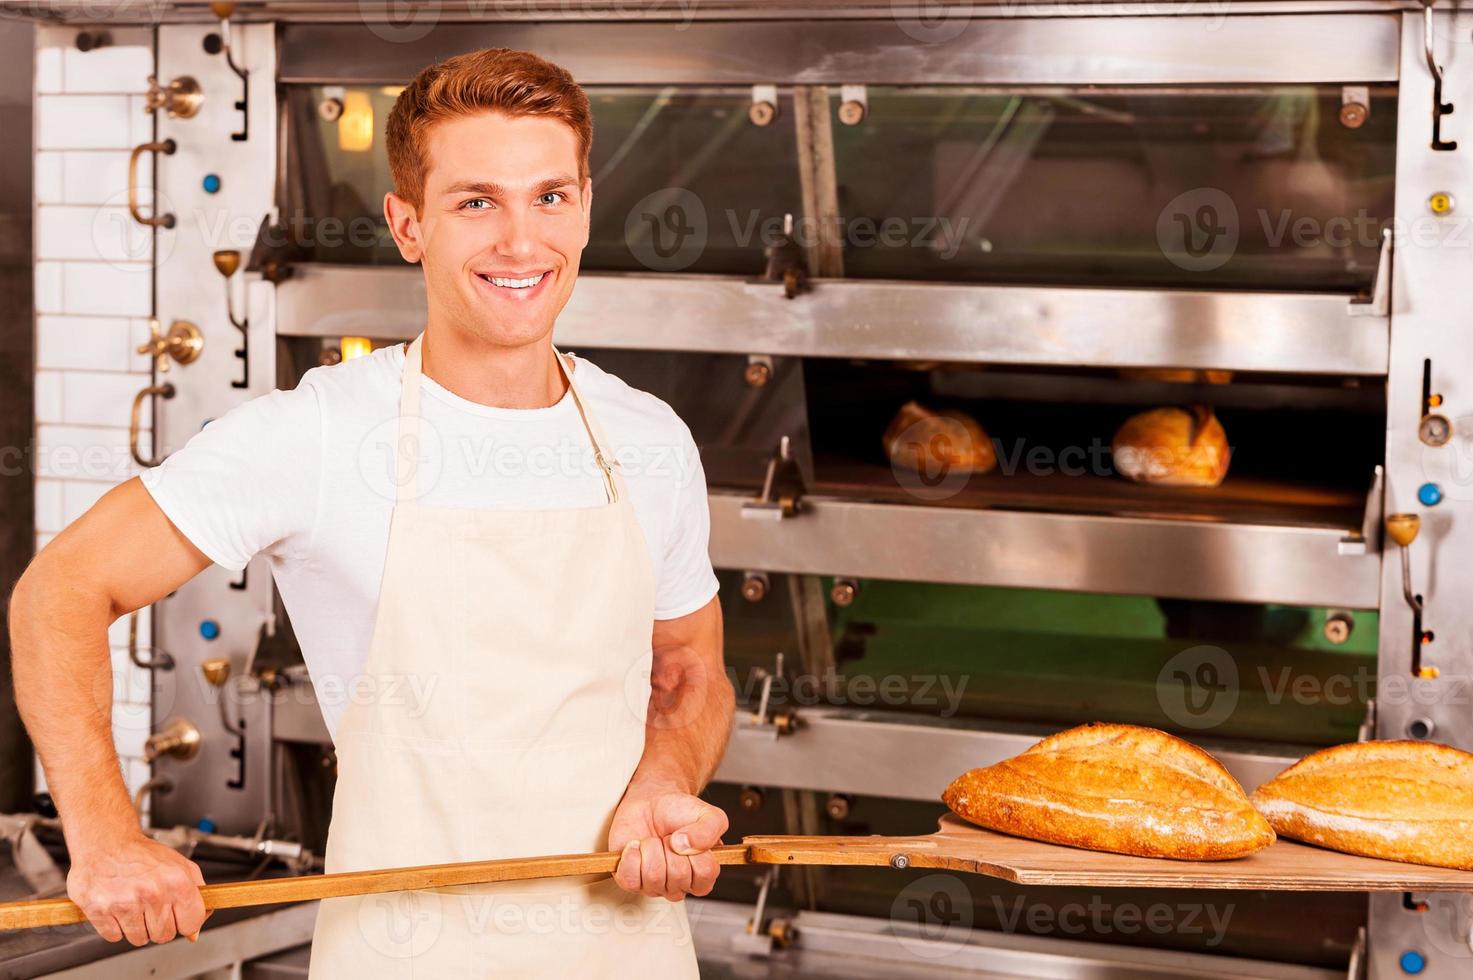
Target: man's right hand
column 138, row 889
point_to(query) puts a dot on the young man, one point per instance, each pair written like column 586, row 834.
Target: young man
column 516, row 533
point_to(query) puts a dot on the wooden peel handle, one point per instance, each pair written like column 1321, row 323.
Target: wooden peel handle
column 62, row 911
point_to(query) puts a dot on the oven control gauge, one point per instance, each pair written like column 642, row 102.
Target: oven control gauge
column 1435, row 430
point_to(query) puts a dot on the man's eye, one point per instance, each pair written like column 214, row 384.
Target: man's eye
column 475, row 200
column 557, row 194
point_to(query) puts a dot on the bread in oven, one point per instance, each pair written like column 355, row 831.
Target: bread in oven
column 1119, row 788
column 1399, row 800
column 1178, row 447
column 932, row 442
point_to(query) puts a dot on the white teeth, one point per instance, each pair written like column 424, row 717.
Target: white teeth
column 516, row 283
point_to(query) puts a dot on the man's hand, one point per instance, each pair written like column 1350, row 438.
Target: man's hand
column 666, row 840
column 138, row 889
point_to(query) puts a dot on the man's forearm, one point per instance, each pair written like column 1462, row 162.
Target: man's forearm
column 687, row 728
column 63, row 689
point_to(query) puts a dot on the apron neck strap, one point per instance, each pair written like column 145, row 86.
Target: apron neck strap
column 406, row 458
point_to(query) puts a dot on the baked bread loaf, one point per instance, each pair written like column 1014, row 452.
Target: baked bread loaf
column 1398, row 800
column 1175, row 447
column 929, row 442
column 1115, row 788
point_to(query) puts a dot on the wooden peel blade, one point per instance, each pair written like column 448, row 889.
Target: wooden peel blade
column 956, row 846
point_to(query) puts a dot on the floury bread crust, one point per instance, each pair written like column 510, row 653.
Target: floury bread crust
column 1116, row 788
column 1398, row 800
column 1173, row 447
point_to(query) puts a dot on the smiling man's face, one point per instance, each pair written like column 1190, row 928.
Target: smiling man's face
column 501, row 202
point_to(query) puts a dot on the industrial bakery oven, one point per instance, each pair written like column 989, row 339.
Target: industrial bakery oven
column 1046, row 217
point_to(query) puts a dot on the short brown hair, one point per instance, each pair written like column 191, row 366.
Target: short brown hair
column 517, row 83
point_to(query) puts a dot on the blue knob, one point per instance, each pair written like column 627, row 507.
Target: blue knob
column 209, row 629
column 1430, row 494
column 1413, row 962
column 212, row 183
column 206, row 824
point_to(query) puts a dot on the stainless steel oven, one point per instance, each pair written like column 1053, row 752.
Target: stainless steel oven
column 1048, row 216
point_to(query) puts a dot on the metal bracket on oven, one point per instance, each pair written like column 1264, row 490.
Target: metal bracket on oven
column 216, row 44
column 759, row 722
column 1368, row 538
column 1380, row 302
column 782, row 488
column 758, row 938
column 1439, row 107
column 1367, row 730
column 1356, row 970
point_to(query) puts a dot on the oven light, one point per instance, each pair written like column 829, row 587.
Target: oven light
column 352, row 347
column 392, row 91
column 355, row 125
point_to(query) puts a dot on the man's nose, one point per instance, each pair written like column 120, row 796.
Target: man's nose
column 517, row 233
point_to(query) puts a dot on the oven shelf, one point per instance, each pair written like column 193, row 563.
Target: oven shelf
column 1220, row 554
column 1247, row 499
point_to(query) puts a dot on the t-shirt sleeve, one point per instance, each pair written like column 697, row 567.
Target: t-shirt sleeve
column 686, row 579
column 247, row 482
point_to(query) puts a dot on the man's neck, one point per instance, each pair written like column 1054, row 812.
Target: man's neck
column 493, row 375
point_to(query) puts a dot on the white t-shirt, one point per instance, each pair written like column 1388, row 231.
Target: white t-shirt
column 305, row 477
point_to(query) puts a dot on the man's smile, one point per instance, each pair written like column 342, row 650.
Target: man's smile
column 517, row 288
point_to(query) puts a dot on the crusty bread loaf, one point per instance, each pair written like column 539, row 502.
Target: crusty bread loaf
column 947, row 441
column 1175, row 447
column 1115, row 788
column 1398, row 800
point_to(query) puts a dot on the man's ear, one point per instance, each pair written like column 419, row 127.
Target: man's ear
column 587, row 192
column 404, row 226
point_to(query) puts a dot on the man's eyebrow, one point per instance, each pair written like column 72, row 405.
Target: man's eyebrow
column 490, row 189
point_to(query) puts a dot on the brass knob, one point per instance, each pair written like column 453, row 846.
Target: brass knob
column 227, row 260
column 757, row 374
column 752, row 798
column 216, row 670
column 844, row 591
column 851, row 113
column 1338, row 626
column 1353, row 115
column 181, row 98
column 754, row 587
column 178, row 738
column 1403, row 528
column 183, row 343
column 837, row 806
column 762, row 113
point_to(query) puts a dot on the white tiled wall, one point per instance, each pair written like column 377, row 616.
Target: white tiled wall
column 93, row 279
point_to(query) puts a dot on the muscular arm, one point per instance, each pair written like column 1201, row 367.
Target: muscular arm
column 691, row 703
column 664, row 828
column 121, row 555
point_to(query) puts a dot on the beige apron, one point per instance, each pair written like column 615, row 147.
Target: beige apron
column 501, row 714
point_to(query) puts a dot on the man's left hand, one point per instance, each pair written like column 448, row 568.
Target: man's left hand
column 666, row 840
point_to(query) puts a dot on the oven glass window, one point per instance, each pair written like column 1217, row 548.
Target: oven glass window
column 1259, row 189
column 683, row 180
